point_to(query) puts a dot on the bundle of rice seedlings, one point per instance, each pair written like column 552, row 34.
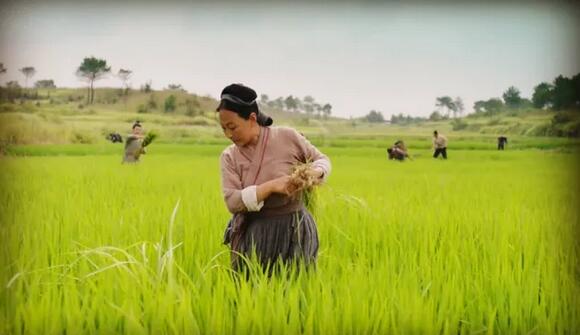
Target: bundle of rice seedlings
column 149, row 138
column 300, row 179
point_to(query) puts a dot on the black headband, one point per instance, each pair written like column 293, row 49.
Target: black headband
column 237, row 100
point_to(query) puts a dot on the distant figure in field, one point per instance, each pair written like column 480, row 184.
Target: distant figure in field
column 115, row 138
column 398, row 151
column 134, row 144
column 440, row 145
column 501, row 142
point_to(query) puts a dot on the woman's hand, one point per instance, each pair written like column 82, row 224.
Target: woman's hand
column 281, row 185
column 316, row 175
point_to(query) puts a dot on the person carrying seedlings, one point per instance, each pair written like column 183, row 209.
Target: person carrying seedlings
column 135, row 143
column 440, row 145
column 259, row 187
column 501, row 142
column 398, row 151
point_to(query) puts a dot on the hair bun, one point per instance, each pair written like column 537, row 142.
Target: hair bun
column 264, row 120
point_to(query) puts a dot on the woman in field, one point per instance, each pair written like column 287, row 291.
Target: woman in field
column 269, row 216
column 398, row 151
column 134, row 144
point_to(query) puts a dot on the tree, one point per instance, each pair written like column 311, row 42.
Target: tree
column 175, row 87
column 299, row 104
column 308, row 105
column 12, row 91
column 458, row 107
column 375, row 117
column 28, row 73
column 542, row 96
column 125, row 75
column 326, row 110
column 435, row 116
column 2, row 71
column 92, row 69
column 564, row 95
column 445, row 102
column 479, row 107
column 264, row 99
column 290, row 103
column 493, row 106
column 146, row 87
column 512, row 98
column 13, row 84
column 317, row 109
column 576, row 84
column 45, row 83
column 279, row 103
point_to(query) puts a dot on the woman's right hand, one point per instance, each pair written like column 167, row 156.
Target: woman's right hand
column 281, row 185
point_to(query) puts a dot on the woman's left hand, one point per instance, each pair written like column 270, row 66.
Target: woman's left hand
column 317, row 175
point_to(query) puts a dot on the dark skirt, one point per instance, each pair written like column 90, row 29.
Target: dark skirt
column 288, row 238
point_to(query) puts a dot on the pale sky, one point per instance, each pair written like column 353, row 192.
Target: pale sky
column 391, row 58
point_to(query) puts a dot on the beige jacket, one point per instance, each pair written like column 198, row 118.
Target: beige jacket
column 439, row 142
column 284, row 149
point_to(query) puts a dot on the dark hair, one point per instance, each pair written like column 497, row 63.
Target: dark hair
column 136, row 124
column 241, row 100
column 435, row 132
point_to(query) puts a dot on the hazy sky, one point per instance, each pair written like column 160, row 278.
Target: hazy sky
column 391, row 58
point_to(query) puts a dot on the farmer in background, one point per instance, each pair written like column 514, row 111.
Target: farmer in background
column 398, row 151
column 258, row 188
column 501, row 142
column 134, row 144
column 440, row 145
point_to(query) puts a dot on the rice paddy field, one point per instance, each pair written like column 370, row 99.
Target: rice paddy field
column 484, row 243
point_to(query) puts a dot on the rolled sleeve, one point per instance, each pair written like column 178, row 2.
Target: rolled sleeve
column 250, row 199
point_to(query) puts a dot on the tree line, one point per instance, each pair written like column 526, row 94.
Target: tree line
column 93, row 69
column 562, row 94
column 307, row 106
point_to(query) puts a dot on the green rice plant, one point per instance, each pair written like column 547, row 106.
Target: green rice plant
column 149, row 138
column 485, row 242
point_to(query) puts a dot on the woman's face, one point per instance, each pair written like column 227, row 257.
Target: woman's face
column 137, row 130
column 237, row 129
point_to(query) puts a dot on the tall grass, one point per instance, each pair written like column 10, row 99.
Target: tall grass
column 482, row 243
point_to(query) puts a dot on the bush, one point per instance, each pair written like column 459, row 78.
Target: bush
column 192, row 107
column 474, row 127
column 494, row 121
column 152, row 103
column 142, row 109
column 170, row 103
column 561, row 118
column 458, row 124
column 82, row 138
column 202, row 121
column 7, row 108
column 572, row 129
